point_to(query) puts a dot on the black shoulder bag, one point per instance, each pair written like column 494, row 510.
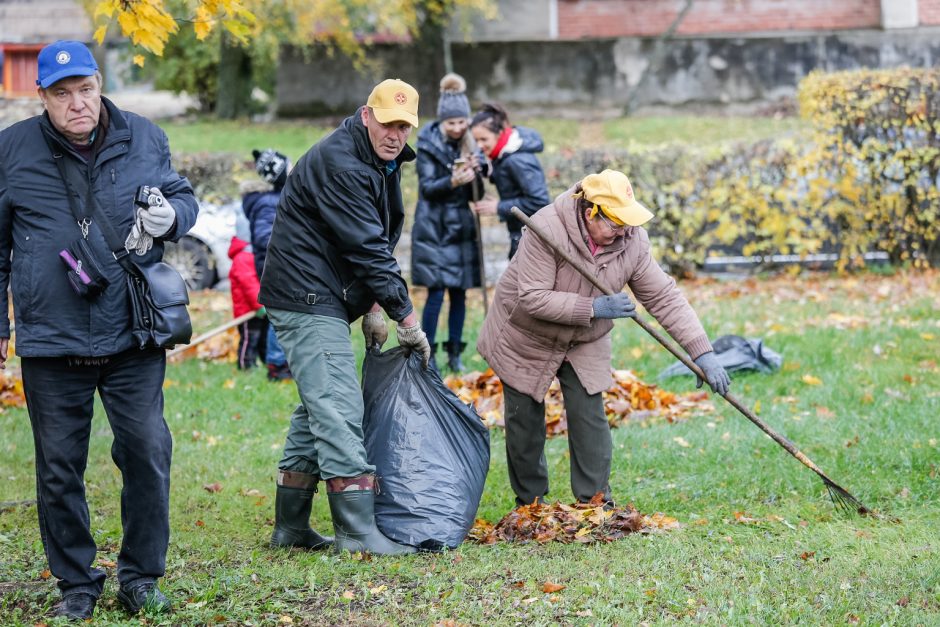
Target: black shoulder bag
column 156, row 291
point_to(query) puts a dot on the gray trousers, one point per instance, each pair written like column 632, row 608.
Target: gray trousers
column 325, row 434
column 589, row 441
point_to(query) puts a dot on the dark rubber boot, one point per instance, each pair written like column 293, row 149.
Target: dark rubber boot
column 292, row 507
column 352, row 504
column 453, row 355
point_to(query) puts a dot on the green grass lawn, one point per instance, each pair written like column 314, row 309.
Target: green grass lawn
column 294, row 138
column 759, row 542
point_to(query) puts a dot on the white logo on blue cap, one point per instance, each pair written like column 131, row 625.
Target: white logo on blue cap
column 63, row 57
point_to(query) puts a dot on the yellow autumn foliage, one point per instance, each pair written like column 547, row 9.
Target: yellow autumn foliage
column 864, row 178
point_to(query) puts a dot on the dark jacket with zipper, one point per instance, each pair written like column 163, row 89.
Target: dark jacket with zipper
column 36, row 222
column 259, row 202
column 520, row 181
column 338, row 220
column 444, row 250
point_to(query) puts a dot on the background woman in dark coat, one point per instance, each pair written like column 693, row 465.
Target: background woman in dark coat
column 515, row 170
column 444, row 253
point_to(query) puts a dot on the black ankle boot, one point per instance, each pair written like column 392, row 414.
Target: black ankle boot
column 292, row 507
column 432, row 363
column 453, row 355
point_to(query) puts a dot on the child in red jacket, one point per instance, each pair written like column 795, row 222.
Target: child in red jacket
column 243, row 280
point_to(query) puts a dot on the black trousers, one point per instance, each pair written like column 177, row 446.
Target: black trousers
column 589, row 442
column 252, row 342
column 60, row 399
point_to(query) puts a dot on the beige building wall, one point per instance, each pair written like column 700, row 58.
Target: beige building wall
column 43, row 21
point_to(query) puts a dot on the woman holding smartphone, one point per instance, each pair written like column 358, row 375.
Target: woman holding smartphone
column 444, row 253
column 515, row 170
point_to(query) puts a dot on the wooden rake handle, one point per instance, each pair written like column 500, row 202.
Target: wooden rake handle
column 199, row 339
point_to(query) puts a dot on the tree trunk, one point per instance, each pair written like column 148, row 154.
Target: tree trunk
column 234, row 89
column 429, row 65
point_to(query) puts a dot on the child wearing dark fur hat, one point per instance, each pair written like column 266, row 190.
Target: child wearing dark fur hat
column 259, row 202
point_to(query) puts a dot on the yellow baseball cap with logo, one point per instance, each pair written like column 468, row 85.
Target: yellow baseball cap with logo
column 611, row 192
column 394, row 100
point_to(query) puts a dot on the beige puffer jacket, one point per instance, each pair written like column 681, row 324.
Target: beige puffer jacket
column 541, row 314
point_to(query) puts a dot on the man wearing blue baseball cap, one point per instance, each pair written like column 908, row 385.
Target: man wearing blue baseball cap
column 68, row 177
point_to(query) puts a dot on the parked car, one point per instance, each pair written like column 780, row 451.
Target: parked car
column 201, row 255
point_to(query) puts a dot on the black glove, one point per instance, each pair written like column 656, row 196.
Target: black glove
column 715, row 375
column 617, row 305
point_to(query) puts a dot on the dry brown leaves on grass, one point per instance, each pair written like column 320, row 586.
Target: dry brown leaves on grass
column 11, row 389
column 222, row 347
column 628, row 398
column 584, row 523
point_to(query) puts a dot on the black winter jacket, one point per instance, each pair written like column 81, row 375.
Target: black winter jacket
column 520, row 181
column 444, row 251
column 338, row 220
column 36, row 223
column 260, row 207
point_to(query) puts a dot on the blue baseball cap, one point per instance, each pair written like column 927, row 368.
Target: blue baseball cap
column 63, row 59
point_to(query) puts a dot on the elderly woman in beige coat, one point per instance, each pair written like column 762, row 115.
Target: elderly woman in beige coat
column 548, row 320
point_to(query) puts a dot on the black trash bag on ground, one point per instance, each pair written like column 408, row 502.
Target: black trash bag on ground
column 431, row 452
column 735, row 353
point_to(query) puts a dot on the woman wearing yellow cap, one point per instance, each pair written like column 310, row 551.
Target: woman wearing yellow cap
column 547, row 320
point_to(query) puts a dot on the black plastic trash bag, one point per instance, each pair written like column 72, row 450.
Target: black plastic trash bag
column 431, row 452
column 735, row 353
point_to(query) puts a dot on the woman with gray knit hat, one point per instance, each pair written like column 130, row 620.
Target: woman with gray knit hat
column 444, row 253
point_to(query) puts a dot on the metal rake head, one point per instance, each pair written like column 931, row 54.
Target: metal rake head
column 845, row 501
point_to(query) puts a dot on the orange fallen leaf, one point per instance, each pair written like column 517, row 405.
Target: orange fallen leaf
column 212, row 487
column 548, row 587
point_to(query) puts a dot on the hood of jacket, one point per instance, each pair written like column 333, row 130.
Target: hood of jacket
column 523, row 139
column 236, row 246
column 252, row 186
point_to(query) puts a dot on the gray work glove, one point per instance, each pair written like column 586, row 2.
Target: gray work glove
column 616, row 305
column 715, row 375
column 160, row 216
column 374, row 329
column 415, row 339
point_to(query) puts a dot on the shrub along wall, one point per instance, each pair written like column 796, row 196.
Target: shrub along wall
column 865, row 178
column 875, row 168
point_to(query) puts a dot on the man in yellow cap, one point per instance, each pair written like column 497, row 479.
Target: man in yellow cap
column 330, row 262
column 547, row 320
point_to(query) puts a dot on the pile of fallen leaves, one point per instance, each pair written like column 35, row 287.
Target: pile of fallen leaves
column 221, row 347
column 11, row 389
column 582, row 522
column 628, row 398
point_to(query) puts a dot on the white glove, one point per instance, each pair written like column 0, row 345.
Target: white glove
column 160, row 216
column 138, row 240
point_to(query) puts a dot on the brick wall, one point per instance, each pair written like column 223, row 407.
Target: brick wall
column 628, row 18
column 929, row 11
